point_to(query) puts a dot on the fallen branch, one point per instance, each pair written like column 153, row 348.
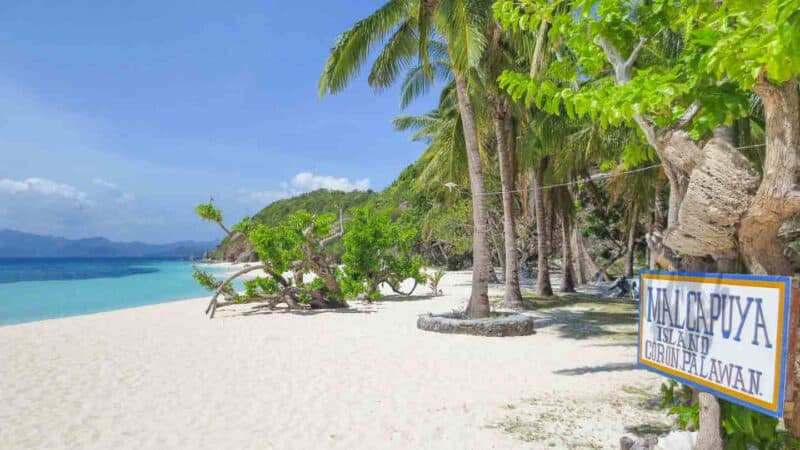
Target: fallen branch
column 212, row 305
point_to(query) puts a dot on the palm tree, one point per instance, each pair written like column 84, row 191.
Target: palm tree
column 495, row 59
column 407, row 26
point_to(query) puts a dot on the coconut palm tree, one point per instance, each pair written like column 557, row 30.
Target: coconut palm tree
column 407, row 27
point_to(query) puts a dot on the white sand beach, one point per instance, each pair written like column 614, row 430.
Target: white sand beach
column 165, row 376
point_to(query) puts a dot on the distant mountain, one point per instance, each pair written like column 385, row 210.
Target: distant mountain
column 16, row 244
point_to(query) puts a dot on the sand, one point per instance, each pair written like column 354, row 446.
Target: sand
column 165, row 376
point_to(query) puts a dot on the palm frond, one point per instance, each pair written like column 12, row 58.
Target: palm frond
column 354, row 45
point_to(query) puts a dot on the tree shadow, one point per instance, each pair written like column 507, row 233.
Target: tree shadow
column 611, row 367
column 618, row 344
column 575, row 298
column 658, row 429
column 403, row 298
column 264, row 310
column 618, row 324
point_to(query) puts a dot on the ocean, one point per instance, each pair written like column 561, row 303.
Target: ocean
column 38, row 289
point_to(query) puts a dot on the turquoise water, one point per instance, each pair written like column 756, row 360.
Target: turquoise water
column 38, row 289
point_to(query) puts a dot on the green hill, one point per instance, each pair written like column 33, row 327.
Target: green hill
column 321, row 201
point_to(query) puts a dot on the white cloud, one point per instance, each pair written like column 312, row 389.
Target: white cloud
column 104, row 183
column 261, row 198
column 300, row 183
column 307, row 181
column 120, row 197
column 125, row 198
column 43, row 186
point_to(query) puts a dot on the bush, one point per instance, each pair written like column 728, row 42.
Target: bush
column 377, row 250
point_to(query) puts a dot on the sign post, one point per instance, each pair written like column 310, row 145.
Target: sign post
column 725, row 334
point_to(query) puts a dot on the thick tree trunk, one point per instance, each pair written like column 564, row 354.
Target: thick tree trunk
column 631, row 256
column 567, row 278
column 543, row 286
column 777, row 196
column 479, row 298
column 512, row 297
column 776, row 199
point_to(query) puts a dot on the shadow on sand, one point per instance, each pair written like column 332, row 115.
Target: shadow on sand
column 611, row 367
column 356, row 307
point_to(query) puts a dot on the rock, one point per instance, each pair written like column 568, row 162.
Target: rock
column 675, row 440
column 646, row 443
column 247, row 256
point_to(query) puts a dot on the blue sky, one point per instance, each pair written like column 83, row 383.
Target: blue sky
column 116, row 118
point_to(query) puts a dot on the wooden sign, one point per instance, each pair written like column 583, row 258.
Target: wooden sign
column 721, row 333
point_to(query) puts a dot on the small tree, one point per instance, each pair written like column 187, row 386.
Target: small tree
column 210, row 213
column 377, row 251
column 297, row 245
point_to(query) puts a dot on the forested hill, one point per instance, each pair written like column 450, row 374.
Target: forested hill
column 321, row 201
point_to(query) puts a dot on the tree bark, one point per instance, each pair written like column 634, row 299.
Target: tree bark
column 585, row 268
column 478, row 306
column 631, row 256
column 543, row 286
column 658, row 221
column 709, row 436
column 512, row 296
column 567, row 278
column 776, row 199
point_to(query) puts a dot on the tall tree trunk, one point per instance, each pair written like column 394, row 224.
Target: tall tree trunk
column 659, row 218
column 543, row 286
column 478, row 306
column 496, row 254
column 777, row 198
column 631, row 256
column 512, row 297
column 567, row 278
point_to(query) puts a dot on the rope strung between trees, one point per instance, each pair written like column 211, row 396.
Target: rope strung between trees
column 600, row 176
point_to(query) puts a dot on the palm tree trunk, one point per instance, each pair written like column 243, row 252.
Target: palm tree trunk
column 568, row 279
column 658, row 219
column 583, row 261
column 512, row 297
column 478, row 306
column 543, row 286
column 631, row 244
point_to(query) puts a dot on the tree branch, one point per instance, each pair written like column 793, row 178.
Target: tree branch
column 635, row 53
column 212, row 305
column 688, row 115
column 330, row 238
column 611, row 52
column 622, row 66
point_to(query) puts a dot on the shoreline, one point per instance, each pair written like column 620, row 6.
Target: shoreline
column 166, row 376
column 67, row 287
